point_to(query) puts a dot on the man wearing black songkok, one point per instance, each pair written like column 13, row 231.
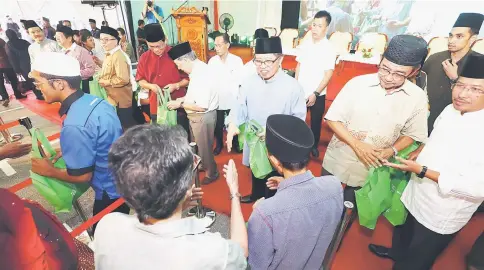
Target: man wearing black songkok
column 377, row 115
column 442, row 198
column 304, row 207
column 442, row 68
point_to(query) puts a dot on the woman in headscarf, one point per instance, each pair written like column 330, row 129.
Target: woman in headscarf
column 18, row 54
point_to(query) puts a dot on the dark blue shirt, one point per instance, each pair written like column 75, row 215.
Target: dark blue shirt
column 89, row 129
column 293, row 229
column 150, row 17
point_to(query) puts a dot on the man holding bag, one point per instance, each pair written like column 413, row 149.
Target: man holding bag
column 90, row 127
column 285, row 94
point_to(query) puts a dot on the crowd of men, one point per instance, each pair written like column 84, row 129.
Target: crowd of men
column 296, row 213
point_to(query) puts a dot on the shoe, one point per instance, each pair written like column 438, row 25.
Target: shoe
column 20, row 96
column 247, row 199
column 5, row 102
column 217, row 150
column 380, row 251
column 209, row 180
column 315, row 152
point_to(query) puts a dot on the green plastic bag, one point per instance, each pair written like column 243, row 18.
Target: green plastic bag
column 59, row 194
column 97, row 90
column 164, row 115
column 381, row 194
column 258, row 159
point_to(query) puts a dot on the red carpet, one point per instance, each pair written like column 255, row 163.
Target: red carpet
column 353, row 253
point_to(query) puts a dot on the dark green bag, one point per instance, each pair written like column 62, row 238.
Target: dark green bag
column 381, row 194
column 58, row 193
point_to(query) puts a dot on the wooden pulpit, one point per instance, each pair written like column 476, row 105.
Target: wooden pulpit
column 192, row 27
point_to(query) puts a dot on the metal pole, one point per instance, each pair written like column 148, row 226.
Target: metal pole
column 338, row 236
column 77, row 206
column 9, row 138
column 199, row 213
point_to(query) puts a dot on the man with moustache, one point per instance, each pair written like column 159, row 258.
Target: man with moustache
column 447, row 182
column 316, row 60
column 442, row 68
column 227, row 68
column 270, row 91
column 156, row 70
column 377, row 115
column 41, row 44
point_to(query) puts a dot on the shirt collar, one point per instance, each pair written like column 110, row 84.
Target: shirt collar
column 175, row 228
column 66, row 104
column 71, row 48
column 112, row 51
column 295, row 180
column 277, row 75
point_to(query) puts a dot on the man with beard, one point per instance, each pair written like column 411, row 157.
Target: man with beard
column 41, row 44
column 156, row 70
column 443, row 68
column 377, row 115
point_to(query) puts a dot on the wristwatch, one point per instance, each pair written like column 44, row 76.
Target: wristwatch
column 181, row 104
column 316, row 93
column 423, row 172
column 395, row 151
column 236, row 195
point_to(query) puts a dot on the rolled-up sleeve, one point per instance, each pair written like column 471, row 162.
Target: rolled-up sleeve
column 416, row 126
column 463, row 181
column 78, row 150
column 261, row 250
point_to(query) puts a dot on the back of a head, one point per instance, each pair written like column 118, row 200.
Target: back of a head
column 153, row 168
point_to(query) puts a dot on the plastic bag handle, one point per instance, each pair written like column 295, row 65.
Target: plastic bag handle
column 38, row 136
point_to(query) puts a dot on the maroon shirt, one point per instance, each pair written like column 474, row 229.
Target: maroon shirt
column 160, row 70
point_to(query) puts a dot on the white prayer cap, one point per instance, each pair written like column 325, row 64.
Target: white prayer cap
column 57, row 64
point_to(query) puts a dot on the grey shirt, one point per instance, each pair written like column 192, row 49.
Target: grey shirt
column 293, row 229
column 258, row 99
column 123, row 243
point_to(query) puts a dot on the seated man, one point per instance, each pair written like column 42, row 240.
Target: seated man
column 153, row 168
column 293, row 229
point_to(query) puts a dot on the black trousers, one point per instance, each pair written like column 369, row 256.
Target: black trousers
column 104, row 202
column 126, row 117
column 12, row 77
column 219, row 129
column 415, row 247
column 30, row 82
column 317, row 111
column 85, row 85
column 259, row 187
column 181, row 118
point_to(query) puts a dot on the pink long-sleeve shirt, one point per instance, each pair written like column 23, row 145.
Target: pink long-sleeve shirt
column 85, row 60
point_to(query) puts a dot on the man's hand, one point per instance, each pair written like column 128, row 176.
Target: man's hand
column 273, row 182
column 230, row 174
column 42, row 166
column 450, row 69
column 14, row 150
column 262, row 135
column 368, row 154
column 385, row 154
column 414, row 155
column 172, row 87
column 194, row 194
column 174, row 104
column 311, row 100
column 406, row 165
column 392, row 24
column 231, row 132
column 153, row 87
column 97, row 61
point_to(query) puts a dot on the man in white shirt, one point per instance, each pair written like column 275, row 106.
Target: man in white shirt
column 226, row 67
column 200, row 103
column 442, row 197
column 316, row 59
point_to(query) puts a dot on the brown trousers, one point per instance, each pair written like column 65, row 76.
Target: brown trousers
column 202, row 126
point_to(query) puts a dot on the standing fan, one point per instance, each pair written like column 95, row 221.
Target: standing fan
column 226, row 21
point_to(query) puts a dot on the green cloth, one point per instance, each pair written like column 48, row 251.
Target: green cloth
column 381, row 194
column 258, row 159
column 58, row 193
column 97, row 90
column 165, row 116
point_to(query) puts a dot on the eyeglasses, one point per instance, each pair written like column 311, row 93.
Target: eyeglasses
column 472, row 89
column 38, row 84
column 395, row 76
column 104, row 40
column 267, row 63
